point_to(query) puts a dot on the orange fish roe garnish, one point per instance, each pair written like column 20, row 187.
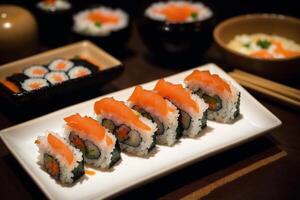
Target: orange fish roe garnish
column 61, row 66
column 86, row 125
column 60, row 148
column 39, row 72
column 205, row 77
column 35, row 85
column 10, row 85
column 102, row 18
column 176, row 12
column 151, row 99
column 120, row 111
column 57, row 78
column 176, row 93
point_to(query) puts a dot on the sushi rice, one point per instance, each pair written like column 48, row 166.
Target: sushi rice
column 36, row 71
column 56, row 77
column 34, row 84
column 60, row 65
column 79, row 71
column 56, row 5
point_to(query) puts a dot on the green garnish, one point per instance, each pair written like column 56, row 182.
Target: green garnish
column 247, row 45
column 194, row 15
column 98, row 24
column 264, row 44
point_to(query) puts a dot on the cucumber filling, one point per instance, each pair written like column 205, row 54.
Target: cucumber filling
column 214, row 102
column 52, row 166
column 160, row 125
column 91, row 150
column 133, row 139
column 109, row 125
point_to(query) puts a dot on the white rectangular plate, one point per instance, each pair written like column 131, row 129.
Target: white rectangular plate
column 132, row 171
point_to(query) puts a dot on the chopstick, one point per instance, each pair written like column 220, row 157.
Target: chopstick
column 270, row 85
column 279, row 91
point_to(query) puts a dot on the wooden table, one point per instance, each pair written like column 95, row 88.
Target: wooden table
column 277, row 180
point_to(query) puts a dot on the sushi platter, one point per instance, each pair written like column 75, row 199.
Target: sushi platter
column 96, row 66
column 131, row 171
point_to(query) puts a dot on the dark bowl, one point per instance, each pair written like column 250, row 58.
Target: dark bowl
column 165, row 39
column 278, row 69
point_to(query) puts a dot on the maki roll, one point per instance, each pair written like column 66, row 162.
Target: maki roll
column 98, row 145
column 192, row 109
column 59, row 159
column 79, row 71
column 103, row 25
column 135, row 133
column 60, row 65
column 177, row 29
column 221, row 96
column 32, row 84
column 54, row 20
column 159, row 110
column 56, row 77
column 36, row 71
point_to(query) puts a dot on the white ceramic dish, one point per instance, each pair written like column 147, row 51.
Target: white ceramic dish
column 132, row 171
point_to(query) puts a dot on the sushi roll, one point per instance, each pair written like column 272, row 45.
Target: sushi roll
column 98, row 145
column 54, row 20
column 135, row 133
column 32, row 84
column 192, row 109
column 60, row 65
column 36, row 71
column 79, row 71
column 221, row 96
column 60, row 160
column 103, row 25
column 160, row 111
column 56, row 77
column 177, row 29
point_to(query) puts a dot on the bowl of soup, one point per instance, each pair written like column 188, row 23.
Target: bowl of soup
column 264, row 44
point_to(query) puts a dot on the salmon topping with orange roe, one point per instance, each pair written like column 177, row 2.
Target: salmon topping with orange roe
column 60, row 148
column 177, row 13
column 88, row 126
column 151, row 99
column 11, row 86
column 103, row 18
column 177, row 93
column 120, row 111
column 205, row 77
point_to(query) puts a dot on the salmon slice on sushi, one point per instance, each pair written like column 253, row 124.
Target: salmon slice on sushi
column 192, row 109
column 159, row 110
column 60, row 160
column 135, row 133
column 221, row 96
column 98, row 145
